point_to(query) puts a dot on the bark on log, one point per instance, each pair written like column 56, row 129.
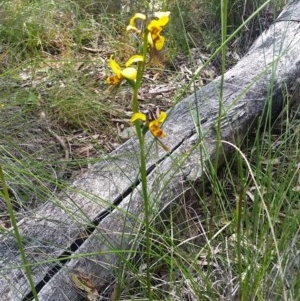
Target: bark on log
column 103, row 209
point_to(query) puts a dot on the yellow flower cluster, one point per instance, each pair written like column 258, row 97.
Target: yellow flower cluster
column 154, row 28
column 151, row 34
column 154, row 125
column 154, row 39
column 128, row 73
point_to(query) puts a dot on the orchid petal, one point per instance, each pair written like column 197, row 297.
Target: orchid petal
column 115, row 67
column 161, row 14
column 138, row 116
column 159, row 43
column 133, row 28
column 134, row 59
column 162, row 117
column 129, row 73
column 137, row 16
column 113, row 80
column 149, row 39
column 155, row 129
column 155, row 27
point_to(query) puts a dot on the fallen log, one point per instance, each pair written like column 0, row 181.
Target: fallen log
column 86, row 226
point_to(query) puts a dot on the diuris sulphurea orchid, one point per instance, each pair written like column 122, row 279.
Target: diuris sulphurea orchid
column 129, row 73
column 153, row 124
column 155, row 40
column 151, row 42
column 154, row 28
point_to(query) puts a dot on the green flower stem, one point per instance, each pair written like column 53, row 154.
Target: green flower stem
column 146, row 209
column 143, row 157
column 17, row 233
column 143, row 172
column 141, row 66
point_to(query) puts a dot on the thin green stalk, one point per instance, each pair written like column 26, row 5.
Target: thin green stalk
column 143, row 172
column 143, row 167
column 141, row 69
column 147, row 213
column 239, row 216
column 266, row 210
column 18, row 236
column 218, row 125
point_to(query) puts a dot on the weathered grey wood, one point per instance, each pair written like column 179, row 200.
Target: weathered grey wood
column 256, row 81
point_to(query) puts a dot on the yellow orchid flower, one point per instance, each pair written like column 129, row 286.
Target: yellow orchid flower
column 153, row 125
column 138, row 116
column 132, row 26
column 129, row 73
column 155, row 27
column 155, row 40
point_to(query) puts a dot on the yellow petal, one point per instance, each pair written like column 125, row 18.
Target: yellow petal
column 155, row 27
column 137, row 16
column 160, row 14
column 162, row 117
column 134, row 59
column 133, row 28
column 149, row 39
column 138, row 116
column 160, row 134
column 113, row 80
column 114, row 66
column 156, row 130
column 163, row 17
column 159, row 43
column 129, row 73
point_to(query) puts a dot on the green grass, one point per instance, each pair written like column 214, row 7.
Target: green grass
column 258, row 261
column 239, row 241
column 251, row 252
